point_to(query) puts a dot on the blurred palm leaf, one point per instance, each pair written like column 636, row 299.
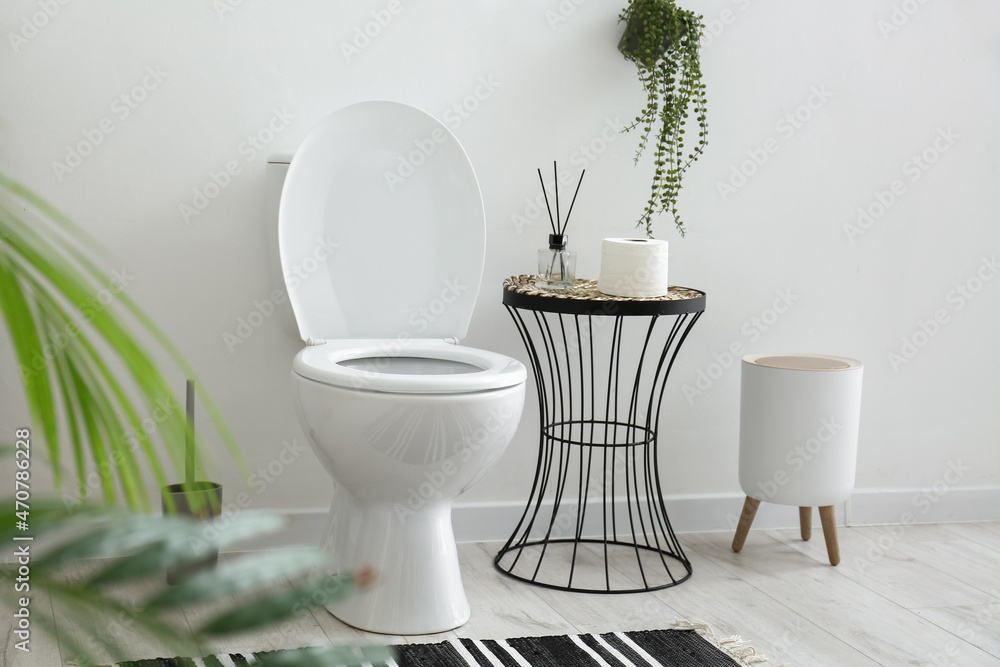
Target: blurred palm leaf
column 138, row 546
column 63, row 312
column 88, row 381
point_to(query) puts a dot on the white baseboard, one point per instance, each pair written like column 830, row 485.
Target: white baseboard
column 477, row 522
column 494, row 521
column 939, row 504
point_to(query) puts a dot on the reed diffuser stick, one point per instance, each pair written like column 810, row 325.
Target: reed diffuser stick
column 566, row 222
column 555, row 177
column 548, row 208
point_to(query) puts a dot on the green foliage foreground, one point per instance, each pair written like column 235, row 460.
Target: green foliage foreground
column 245, row 593
column 88, row 380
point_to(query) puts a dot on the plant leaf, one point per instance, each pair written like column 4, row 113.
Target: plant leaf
column 117, row 536
column 26, row 342
column 275, row 607
column 327, row 656
column 87, row 354
column 200, row 537
column 49, row 515
column 242, row 574
column 42, row 259
column 52, row 214
column 93, row 612
column 93, row 434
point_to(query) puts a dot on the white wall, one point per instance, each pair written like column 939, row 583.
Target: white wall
column 885, row 85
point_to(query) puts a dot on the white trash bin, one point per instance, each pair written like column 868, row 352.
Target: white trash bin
column 799, row 418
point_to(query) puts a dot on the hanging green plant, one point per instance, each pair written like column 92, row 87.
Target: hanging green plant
column 663, row 40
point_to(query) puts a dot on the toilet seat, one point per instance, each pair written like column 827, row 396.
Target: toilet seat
column 412, row 366
column 381, row 227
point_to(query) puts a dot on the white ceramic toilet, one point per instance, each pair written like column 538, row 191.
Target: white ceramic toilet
column 381, row 236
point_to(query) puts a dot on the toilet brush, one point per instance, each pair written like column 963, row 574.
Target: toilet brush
column 201, row 500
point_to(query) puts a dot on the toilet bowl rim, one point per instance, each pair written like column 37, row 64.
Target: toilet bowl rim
column 321, row 363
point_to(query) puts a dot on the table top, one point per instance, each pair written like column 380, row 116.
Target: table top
column 585, row 299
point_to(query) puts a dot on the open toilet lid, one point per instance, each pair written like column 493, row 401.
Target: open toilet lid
column 381, row 227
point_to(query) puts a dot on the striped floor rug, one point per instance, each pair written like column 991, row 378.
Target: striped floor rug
column 648, row 648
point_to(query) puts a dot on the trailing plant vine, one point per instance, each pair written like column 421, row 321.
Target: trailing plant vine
column 663, row 40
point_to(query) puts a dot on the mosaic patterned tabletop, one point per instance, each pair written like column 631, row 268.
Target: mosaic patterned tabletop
column 584, row 297
column 586, row 290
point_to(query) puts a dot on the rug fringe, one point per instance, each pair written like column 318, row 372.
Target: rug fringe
column 734, row 646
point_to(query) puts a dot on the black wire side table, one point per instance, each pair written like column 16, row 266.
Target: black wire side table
column 600, row 389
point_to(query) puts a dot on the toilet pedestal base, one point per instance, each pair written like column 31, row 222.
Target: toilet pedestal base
column 418, row 586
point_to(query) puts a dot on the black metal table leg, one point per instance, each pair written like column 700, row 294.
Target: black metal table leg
column 595, row 520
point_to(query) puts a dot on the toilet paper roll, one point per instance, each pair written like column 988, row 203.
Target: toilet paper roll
column 634, row 268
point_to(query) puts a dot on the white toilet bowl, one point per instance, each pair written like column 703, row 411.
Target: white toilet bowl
column 401, row 456
column 402, row 417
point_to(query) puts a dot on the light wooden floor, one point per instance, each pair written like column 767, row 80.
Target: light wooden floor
column 914, row 595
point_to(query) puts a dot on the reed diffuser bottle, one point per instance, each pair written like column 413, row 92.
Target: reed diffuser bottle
column 556, row 264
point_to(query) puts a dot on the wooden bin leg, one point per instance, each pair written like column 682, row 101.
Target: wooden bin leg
column 750, row 506
column 806, row 522
column 829, row 519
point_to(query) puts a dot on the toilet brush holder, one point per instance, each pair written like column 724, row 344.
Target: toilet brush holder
column 202, row 501
column 199, row 500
